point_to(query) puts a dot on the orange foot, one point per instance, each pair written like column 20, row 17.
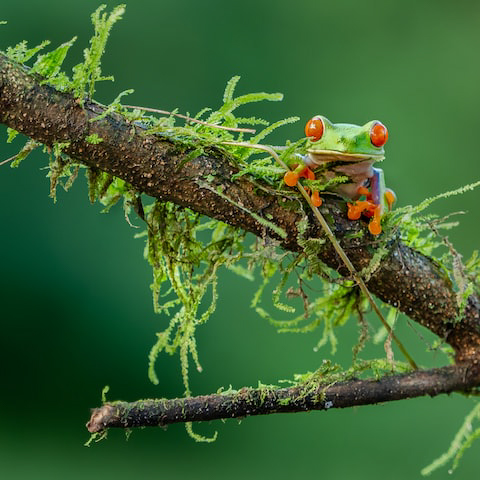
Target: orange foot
column 369, row 209
column 291, row 179
column 356, row 209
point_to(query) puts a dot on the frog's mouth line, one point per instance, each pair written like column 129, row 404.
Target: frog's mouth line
column 319, row 156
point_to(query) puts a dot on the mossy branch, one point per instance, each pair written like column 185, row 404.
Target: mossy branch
column 167, row 170
column 266, row 400
column 156, row 166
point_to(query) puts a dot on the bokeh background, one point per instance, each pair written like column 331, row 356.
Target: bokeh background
column 75, row 303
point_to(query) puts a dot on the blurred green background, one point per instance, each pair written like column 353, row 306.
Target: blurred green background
column 74, row 289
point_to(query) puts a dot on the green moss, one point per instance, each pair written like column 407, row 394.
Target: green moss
column 184, row 272
column 463, row 440
column 49, row 66
column 86, row 74
column 26, row 150
column 96, row 437
column 20, row 53
column 94, row 139
column 424, row 233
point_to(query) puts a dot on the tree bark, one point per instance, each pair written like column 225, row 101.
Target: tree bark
column 153, row 164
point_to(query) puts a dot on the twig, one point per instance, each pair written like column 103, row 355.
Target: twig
column 267, row 400
column 165, row 112
column 8, row 160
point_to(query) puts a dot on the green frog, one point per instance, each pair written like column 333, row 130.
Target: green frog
column 342, row 149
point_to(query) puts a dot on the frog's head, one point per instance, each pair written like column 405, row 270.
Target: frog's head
column 341, row 141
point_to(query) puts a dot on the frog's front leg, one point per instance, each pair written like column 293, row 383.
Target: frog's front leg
column 377, row 199
column 301, row 170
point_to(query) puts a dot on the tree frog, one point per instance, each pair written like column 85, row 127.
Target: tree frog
column 346, row 150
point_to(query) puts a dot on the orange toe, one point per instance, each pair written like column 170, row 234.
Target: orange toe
column 309, row 175
column 290, row 178
column 374, row 227
column 316, row 199
column 390, row 198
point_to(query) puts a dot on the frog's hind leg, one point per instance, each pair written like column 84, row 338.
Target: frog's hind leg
column 376, row 199
column 382, row 197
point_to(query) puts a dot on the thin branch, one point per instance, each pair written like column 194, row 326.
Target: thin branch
column 263, row 401
column 3, row 162
column 190, row 119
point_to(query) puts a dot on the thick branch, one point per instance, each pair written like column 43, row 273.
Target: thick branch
column 250, row 401
column 153, row 164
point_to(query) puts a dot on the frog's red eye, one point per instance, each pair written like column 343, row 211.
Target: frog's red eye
column 379, row 134
column 314, row 129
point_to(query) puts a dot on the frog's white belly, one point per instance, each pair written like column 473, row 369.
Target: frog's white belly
column 357, row 170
